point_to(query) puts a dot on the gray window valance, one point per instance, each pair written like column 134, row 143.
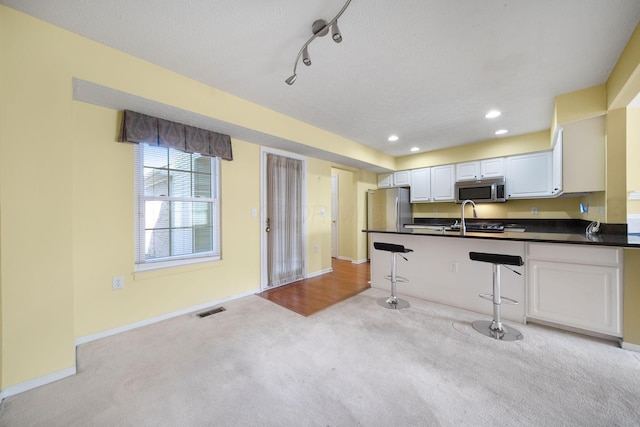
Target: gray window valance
column 140, row 128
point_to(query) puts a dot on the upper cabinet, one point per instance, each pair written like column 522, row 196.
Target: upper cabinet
column 420, row 185
column 467, row 171
column 442, row 182
column 529, row 175
column 401, row 179
column 579, row 156
column 490, row 168
column 385, row 180
column 395, row 179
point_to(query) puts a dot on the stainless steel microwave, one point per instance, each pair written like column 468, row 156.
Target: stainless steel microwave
column 481, row 191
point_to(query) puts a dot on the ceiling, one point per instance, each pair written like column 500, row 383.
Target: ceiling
column 425, row 70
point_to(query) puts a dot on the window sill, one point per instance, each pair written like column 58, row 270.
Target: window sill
column 152, row 266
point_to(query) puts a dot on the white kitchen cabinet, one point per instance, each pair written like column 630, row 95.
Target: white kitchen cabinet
column 529, row 175
column 442, row 183
column 420, row 185
column 395, row 179
column 401, row 179
column 580, row 167
column 492, row 168
column 489, row 168
column 467, row 171
column 575, row 286
column 385, row 180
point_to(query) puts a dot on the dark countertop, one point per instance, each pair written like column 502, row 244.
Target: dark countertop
column 555, row 231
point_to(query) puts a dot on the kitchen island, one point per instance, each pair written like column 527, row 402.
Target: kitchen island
column 569, row 280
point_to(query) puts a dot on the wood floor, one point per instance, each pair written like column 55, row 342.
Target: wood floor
column 312, row 295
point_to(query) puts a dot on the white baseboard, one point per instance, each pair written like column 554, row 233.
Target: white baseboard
column 36, row 382
column 108, row 333
column 319, row 273
column 343, row 258
column 631, row 347
column 360, row 261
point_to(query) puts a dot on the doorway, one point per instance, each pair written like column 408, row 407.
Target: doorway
column 283, row 235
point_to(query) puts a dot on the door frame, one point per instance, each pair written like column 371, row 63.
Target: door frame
column 335, row 225
column 263, row 210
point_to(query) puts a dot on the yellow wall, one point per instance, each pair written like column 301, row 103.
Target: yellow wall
column 633, row 158
column 347, row 213
column 36, row 177
column 66, row 196
column 103, row 233
column 366, row 181
column 616, row 170
column 581, row 104
column 318, row 224
column 623, row 83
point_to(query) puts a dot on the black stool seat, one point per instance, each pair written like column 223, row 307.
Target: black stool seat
column 496, row 258
column 390, row 247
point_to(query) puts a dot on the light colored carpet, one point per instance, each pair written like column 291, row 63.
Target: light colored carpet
column 353, row 364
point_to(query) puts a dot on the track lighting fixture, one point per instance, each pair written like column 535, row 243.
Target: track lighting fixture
column 320, row 28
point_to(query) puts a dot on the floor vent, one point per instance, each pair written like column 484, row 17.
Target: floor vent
column 210, row 312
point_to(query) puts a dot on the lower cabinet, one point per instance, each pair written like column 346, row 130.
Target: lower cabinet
column 575, row 286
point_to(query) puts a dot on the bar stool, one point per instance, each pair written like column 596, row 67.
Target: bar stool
column 393, row 301
column 495, row 328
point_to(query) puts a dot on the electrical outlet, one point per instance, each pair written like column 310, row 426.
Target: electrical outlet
column 117, row 283
column 316, row 248
column 534, row 211
column 453, row 267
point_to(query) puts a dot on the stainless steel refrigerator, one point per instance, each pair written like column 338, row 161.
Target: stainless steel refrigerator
column 388, row 209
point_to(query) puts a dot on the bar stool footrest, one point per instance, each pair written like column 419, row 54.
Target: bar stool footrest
column 504, row 300
column 399, row 279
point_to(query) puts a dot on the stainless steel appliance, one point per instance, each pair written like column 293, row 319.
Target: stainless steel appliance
column 481, row 191
column 388, row 209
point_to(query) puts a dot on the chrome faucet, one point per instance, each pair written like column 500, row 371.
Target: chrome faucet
column 463, row 225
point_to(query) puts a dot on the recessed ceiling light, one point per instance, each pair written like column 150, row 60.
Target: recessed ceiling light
column 501, row 132
column 393, row 138
column 492, row 114
column 415, row 149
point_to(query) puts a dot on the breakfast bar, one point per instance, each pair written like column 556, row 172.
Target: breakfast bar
column 570, row 279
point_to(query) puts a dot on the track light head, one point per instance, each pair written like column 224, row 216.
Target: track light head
column 305, row 57
column 291, row 80
column 335, row 33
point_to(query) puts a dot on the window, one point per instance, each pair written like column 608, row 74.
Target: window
column 177, row 206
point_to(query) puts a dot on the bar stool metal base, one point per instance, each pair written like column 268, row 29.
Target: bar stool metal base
column 393, row 303
column 504, row 334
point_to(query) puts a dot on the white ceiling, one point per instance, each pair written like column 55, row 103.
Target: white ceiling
column 426, row 70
